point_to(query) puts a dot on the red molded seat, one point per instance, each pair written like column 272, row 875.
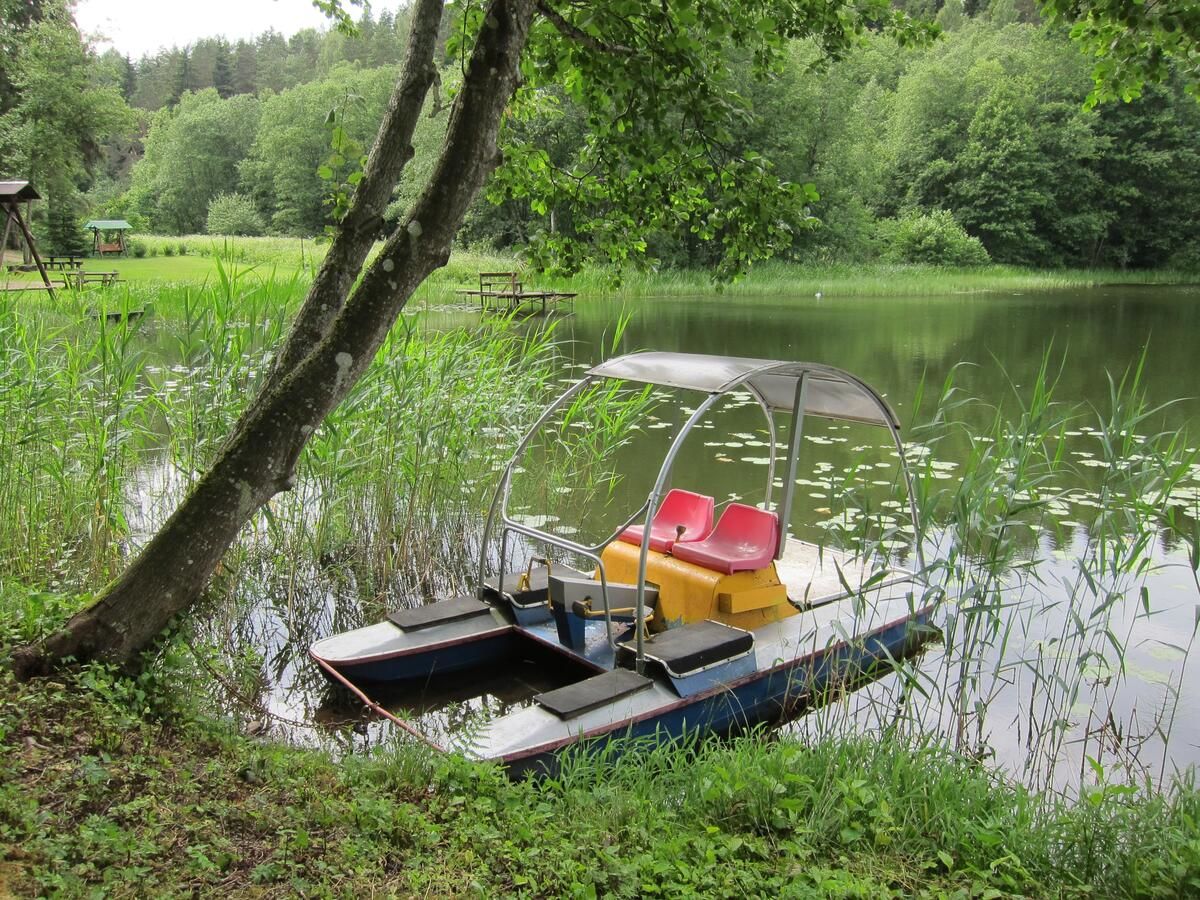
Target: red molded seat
column 693, row 511
column 745, row 539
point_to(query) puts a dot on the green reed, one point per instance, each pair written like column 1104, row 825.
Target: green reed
column 111, row 417
column 76, row 413
column 1038, row 616
column 395, row 482
column 770, row 278
column 776, row 278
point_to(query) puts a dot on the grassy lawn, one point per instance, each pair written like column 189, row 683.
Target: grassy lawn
column 156, row 268
column 287, row 256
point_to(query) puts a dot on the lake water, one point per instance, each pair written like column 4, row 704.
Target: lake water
column 994, row 343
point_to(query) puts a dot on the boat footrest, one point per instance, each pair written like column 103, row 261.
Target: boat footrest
column 534, row 593
column 599, row 690
column 692, row 647
column 461, row 607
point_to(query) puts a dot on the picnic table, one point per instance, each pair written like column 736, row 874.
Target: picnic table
column 63, row 262
column 78, row 278
column 504, row 289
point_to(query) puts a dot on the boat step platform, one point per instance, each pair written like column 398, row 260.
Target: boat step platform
column 697, row 655
column 592, row 693
column 462, row 607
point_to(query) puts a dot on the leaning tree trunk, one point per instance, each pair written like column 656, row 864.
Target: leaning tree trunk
column 332, row 341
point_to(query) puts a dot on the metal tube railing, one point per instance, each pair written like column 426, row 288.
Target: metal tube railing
column 789, row 487
column 651, row 509
column 500, row 497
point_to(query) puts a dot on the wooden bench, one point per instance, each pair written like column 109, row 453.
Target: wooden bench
column 79, row 278
column 115, row 247
column 63, row 262
column 500, row 284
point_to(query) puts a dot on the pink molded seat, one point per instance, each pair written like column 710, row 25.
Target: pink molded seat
column 693, row 511
column 745, row 539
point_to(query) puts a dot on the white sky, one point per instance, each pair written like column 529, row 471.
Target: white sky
column 138, row 27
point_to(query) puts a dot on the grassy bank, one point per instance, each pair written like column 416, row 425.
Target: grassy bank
column 869, row 280
column 191, row 258
column 111, row 786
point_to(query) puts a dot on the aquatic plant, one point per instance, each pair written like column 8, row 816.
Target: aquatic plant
column 110, row 415
column 1039, row 611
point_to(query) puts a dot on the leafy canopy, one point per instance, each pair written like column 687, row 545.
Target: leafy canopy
column 1134, row 41
column 657, row 88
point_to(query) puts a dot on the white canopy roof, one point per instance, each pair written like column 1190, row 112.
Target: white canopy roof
column 831, row 393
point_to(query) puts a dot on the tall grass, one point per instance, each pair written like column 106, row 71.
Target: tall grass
column 777, row 278
column 108, row 422
column 76, row 418
column 888, row 801
column 294, row 253
column 1038, row 617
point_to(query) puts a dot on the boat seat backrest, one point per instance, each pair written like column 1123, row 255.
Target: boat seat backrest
column 693, row 511
column 745, row 539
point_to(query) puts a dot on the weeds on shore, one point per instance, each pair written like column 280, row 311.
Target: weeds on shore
column 109, row 784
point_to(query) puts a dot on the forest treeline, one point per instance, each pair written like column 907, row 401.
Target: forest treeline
column 977, row 146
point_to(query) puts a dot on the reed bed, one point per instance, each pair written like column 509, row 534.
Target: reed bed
column 109, row 422
column 1040, row 612
column 777, row 278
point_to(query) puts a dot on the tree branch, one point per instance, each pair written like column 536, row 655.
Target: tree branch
column 568, row 30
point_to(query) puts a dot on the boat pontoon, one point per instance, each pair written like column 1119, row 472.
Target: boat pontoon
column 685, row 621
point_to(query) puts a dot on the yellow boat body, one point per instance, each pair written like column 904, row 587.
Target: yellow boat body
column 692, row 593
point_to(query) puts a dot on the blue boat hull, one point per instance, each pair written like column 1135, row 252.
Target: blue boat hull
column 457, row 657
column 771, row 697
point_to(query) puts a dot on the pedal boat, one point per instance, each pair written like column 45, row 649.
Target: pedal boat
column 683, row 625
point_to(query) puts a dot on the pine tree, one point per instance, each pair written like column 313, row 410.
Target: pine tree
column 222, row 78
column 62, row 227
column 245, row 77
column 183, row 78
column 128, row 79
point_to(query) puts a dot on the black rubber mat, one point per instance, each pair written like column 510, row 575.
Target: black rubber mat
column 576, row 699
column 463, row 607
column 696, row 645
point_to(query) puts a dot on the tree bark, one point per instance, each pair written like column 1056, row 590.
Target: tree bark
column 331, row 344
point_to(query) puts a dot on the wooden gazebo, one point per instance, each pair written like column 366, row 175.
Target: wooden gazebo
column 108, row 235
column 12, row 195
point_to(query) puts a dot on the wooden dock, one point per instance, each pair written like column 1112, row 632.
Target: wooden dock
column 502, row 291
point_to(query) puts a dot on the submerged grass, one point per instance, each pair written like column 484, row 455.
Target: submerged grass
column 110, row 785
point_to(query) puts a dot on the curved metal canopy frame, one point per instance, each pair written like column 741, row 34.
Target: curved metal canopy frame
column 734, row 374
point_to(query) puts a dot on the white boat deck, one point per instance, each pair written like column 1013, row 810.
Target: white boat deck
column 815, row 575
column 383, row 639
